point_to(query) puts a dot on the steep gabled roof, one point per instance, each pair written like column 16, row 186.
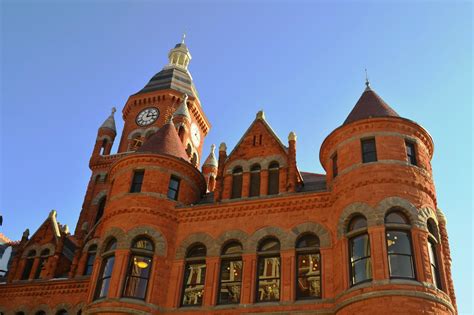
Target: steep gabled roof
column 166, row 142
column 370, row 104
column 259, row 118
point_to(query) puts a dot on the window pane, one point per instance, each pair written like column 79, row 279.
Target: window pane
column 143, row 244
column 197, row 251
column 254, row 184
column 396, row 217
column 268, row 279
column 308, row 241
column 231, row 279
column 137, row 181
column 193, row 290
column 309, row 276
column 273, row 181
column 368, row 151
column 135, row 287
column 27, row 269
column 361, row 270
column 237, row 186
column 140, row 267
column 174, row 183
column 90, row 264
column 269, row 245
column 398, row 243
column 104, row 279
column 232, row 248
column 357, row 222
column 401, row 266
column 360, row 247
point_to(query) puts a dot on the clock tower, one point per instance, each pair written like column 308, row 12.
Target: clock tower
column 170, row 94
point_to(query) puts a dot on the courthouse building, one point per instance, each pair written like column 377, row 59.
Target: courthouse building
column 248, row 232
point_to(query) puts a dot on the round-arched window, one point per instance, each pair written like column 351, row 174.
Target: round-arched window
column 308, row 267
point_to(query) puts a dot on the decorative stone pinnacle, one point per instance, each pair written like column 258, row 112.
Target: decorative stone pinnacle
column 52, row 213
column 113, row 110
column 292, row 136
column 222, row 147
column 213, row 148
column 261, row 115
column 183, row 38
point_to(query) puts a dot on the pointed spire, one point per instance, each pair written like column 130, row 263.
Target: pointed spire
column 211, row 159
column 110, row 121
column 183, row 109
column 183, row 38
column 369, row 105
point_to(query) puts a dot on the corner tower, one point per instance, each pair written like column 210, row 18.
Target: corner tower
column 150, row 108
column 379, row 173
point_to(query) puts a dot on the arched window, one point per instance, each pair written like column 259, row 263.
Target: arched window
column 254, row 180
column 273, row 178
column 91, row 253
column 268, row 277
column 136, row 142
column 42, row 262
column 28, row 265
column 100, row 209
column 181, row 133
column 231, row 274
column 194, row 276
column 103, row 148
column 139, row 269
column 189, row 150
column 433, row 242
column 108, row 260
column 359, row 251
column 194, row 159
column 237, row 182
column 400, row 255
column 212, row 183
column 62, row 312
column 308, row 267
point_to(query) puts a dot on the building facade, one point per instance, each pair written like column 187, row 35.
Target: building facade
column 248, row 232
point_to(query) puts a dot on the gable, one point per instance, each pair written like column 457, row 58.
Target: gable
column 259, row 144
column 48, row 232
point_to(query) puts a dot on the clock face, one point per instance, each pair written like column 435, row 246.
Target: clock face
column 148, row 116
column 195, row 135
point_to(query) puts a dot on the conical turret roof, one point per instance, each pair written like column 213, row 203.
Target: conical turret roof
column 110, row 121
column 370, row 104
column 166, row 142
column 183, row 109
column 211, row 159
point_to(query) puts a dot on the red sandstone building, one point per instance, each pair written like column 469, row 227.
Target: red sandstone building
column 249, row 232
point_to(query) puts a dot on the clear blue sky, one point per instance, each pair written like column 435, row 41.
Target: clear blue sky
column 65, row 65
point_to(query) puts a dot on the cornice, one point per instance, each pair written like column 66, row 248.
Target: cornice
column 246, row 208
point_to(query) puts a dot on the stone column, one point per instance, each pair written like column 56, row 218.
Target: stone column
column 264, row 182
column 249, row 277
column 211, row 283
column 287, row 283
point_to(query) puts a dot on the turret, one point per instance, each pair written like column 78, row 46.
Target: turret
column 220, row 172
column 105, row 136
column 209, row 169
column 182, row 121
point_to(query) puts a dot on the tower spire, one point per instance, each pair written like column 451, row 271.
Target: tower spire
column 183, row 38
column 367, row 83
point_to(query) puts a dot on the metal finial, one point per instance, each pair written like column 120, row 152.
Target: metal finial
column 367, row 83
column 183, row 38
column 113, row 110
